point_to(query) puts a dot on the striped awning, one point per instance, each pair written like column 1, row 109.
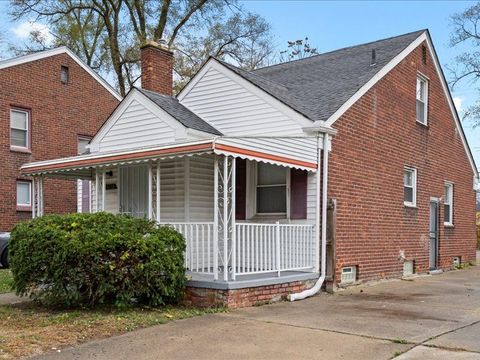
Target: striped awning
column 292, row 152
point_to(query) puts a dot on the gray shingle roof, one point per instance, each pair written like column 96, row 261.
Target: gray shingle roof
column 179, row 112
column 317, row 86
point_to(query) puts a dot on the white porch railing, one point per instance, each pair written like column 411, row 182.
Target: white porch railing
column 264, row 248
column 257, row 248
column 199, row 253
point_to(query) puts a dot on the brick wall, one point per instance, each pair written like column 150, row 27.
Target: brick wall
column 59, row 113
column 376, row 138
column 246, row 297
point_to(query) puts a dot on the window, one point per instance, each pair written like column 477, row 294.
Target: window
column 422, row 99
column 24, row 193
column 271, row 189
column 82, row 144
column 64, row 75
column 448, row 204
column 410, row 187
column 19, row 125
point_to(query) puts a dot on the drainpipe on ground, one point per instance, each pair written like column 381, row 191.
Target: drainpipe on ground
column 318, row 285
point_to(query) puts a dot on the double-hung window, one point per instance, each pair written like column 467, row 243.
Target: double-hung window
column 24, row 194
column 422, row 99
column 410, row 187
column 271, row 189
column 448, row 204
column 19, row 129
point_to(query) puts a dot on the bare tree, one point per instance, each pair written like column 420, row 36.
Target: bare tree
column 297, row 49
column 466, row 67
column 107, row 34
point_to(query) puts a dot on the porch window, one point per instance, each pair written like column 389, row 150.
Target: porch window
column 24, row 194
column 410, row 187
column 271, row 189
column 19, row 126
column 448, row 204
column 422, row 97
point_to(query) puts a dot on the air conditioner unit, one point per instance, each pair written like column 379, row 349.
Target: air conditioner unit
column 349, row 275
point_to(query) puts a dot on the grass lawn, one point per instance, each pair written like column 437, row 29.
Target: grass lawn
column 5, row 281
column 29, row 329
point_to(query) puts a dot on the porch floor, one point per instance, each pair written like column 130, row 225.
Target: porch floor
column 203, row 280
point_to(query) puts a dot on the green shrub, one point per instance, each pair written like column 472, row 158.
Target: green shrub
column 101, row 258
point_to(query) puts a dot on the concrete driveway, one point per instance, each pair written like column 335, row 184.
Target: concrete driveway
column 427, row 318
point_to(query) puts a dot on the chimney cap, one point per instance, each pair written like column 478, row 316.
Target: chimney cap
column 162, row 44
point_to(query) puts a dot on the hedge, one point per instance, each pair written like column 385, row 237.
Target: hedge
column 91, row 259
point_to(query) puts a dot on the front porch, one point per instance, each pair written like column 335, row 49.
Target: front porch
column 246, row 220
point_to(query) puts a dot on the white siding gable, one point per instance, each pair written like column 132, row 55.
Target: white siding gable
column 236, row 107
column 138, row 122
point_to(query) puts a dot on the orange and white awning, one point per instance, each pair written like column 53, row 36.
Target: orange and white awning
column 292, row 152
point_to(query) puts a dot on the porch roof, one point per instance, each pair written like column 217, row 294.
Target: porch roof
column 295, row 153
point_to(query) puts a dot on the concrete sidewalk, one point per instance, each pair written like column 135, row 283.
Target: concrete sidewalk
column 431, row 317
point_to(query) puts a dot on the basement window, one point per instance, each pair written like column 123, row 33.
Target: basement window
column 422, row 99
column 410, row 187
column 64, row 75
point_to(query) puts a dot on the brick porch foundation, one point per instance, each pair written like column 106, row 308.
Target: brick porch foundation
column 238, row 298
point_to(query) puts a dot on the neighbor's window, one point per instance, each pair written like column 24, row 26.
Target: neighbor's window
column 82, row 144
column 448, row 204
column 19, row 125
column 422, row 99
column 64, row 74
column 410, row 186
column 271, row 189
column 24, row 193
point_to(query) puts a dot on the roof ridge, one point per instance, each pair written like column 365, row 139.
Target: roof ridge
column 251, row 73
column 344, row 48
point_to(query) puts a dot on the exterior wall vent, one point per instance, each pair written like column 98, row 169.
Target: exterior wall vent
column 349, row 275
column 408, row 268
column 457, row 261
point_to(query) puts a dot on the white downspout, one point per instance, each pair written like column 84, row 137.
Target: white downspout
column 318, row 285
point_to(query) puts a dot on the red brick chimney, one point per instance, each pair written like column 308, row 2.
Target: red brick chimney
column 157, row 68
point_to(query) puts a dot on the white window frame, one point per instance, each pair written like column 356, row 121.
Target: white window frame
column 413, row 186
column 287, row 193
column 450, row 185
column 27, row 129
column 424, row 79
column 29, row 183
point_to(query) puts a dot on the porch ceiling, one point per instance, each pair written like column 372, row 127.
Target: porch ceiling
column 290, row 152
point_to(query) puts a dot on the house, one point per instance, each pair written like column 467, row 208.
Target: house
column 43, row 116
column 246, row 164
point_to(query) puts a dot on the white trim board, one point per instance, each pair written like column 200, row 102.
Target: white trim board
column 425, row 36
column 57, row 51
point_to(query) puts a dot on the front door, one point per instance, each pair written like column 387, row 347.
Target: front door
column 433, row 235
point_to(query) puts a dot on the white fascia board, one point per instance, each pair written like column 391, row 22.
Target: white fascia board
column 386, row 69
column 451, row 104
column 379, row 75
column 271, row 100
column 135, row 94
column 57, row 51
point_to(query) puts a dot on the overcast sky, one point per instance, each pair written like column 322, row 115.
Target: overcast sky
column 332, row 25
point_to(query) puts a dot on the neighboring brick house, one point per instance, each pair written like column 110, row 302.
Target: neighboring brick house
column 49, row 101
column 245, row 163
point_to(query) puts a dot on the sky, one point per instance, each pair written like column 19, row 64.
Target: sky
column 335, row 24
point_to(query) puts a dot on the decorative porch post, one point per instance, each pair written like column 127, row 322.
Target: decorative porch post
column 233, row 215
column 154, row 191
column 225, row 218
column 99, row 187
column 37, row 196
column 215, row 217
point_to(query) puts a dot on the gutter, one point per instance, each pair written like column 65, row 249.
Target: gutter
column 323, row 262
